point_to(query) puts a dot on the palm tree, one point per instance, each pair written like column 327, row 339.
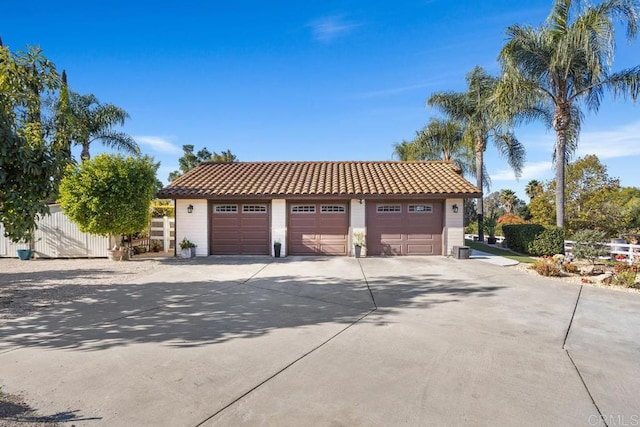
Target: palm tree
column 443, row 139
column 405, row 151
column 476, row 110
column 564, row 65
column 94, row 121
column 508, row 199
column 533, row 188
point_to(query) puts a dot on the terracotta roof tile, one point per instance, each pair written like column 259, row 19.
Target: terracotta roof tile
column 287, row 179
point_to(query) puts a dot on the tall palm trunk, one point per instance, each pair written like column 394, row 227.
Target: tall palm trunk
column 561, row 121
column 479, row 182
column 85, row 152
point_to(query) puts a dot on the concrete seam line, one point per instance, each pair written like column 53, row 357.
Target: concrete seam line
column 263, row 382
column 366, row 281
column 256, row 273
column 587, row 388
column 575, row 308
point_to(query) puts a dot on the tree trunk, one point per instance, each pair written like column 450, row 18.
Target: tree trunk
column 561, row 121
column 561, row 145
column 480, row 207
column 85, row 152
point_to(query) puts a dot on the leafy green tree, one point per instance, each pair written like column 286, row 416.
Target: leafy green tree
column 542, row 207
column 589, row 245
column 109, row 194
column 476, row 110
column 591, row 197
column 224, row 157
column 190, row 160
column 629, row 199
column 556, row 70
column 32, row 161
column 94, row 121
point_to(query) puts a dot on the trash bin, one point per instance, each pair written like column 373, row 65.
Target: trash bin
column 461, row 252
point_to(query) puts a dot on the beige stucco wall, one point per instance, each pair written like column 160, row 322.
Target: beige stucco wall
column 357, row 223
column 194, row 226
column 453, row 234
column 279, row 225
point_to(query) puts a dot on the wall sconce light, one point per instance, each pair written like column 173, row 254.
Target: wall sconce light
column 454, row 208
column 190, row 209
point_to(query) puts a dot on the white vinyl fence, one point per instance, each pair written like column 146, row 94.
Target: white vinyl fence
column 621, row 251
column 58, row 237
column 163, row 229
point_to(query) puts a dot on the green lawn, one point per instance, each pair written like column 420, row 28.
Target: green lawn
column 496, row 251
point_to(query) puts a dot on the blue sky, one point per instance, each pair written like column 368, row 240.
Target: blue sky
column 293, row 80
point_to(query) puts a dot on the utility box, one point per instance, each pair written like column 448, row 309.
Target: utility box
column 461, row 252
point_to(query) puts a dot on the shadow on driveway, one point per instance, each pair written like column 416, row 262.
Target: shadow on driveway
column 202, row 313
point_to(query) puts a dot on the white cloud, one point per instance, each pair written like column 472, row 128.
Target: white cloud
column 329, row 28
column 623, row 141
column 536, row 170
column 396, row 90
column 158, row 144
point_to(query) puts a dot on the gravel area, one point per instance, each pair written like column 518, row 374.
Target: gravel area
column 28, row 286
column 594, row 281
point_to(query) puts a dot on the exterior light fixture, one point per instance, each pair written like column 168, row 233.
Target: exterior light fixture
column 454, row 208
column 190, row 209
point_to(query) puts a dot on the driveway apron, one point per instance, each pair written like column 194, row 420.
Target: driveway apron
column 330, row 341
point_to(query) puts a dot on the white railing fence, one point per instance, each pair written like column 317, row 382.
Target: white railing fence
column 619, row 251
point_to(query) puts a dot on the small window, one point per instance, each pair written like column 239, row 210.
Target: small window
column 303, row 209
column 225, row 208
column 389, row 208
column 332, row 209
column 420, row 209
column 254, row 208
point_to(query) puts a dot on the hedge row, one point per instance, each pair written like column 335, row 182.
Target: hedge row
column 534, row 239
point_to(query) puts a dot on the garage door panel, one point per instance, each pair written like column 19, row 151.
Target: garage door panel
column 328, row 249
column 318, row 228
column 404, row 228
column 420, row 249
column 419, row 236
column 236, row 230
column 226, row 222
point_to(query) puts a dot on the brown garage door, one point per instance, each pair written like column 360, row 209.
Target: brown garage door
column 240, row 228
column 404, row 228
column 318, row 228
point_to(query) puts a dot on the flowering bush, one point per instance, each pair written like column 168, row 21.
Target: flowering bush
column 547, row 266
column 625, row 275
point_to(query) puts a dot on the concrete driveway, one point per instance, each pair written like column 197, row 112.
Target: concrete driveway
column 331, row 341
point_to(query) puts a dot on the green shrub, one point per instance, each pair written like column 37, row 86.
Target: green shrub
column 534, row 239
column 625, row 275
column 589, row 245
column 546, row 266
column 549, row 242
column 519, row 236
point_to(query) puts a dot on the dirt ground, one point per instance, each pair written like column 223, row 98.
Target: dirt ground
column 29, row 286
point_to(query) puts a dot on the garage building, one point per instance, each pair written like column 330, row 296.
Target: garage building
column 314, row 208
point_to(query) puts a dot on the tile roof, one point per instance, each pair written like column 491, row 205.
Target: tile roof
column 302, row 179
